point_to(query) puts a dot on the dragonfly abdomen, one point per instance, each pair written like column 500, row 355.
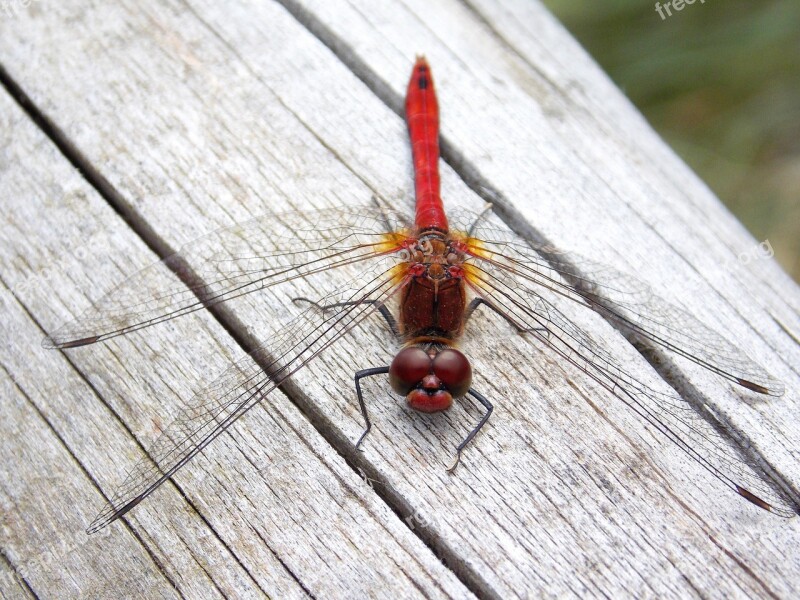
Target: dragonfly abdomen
column 422, row 116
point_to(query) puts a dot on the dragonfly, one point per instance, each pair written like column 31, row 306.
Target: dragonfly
column 426, row 279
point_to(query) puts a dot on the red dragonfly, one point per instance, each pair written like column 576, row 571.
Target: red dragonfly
column 435, row 275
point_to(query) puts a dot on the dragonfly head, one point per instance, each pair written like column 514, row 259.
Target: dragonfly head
column 430, row 379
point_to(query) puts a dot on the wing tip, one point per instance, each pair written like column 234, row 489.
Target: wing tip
column 109, row 515
column 100, row 521
column 771, row 389
column 764, row 505
column 52, row 343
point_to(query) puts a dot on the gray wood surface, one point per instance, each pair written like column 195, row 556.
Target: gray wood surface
column 289, row 518
column 197, row 115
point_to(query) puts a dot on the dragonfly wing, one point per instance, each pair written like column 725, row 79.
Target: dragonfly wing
column 620, row 298
column 249, row 381
column 526, row 307
column 232, row 262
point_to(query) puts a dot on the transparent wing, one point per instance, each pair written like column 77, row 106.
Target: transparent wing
column 249, row 381
column 619, row 297
column 232, row 262
column 526, row 306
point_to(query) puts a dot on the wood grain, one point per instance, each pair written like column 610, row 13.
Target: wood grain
column 272, row 510
column 198, row 115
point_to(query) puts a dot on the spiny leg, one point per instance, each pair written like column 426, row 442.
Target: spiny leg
column 486, row 210
column 385, row 312
column 362, row 404
column 489, row 408
column 476, row 302
column 383, row 208
column 392, row 324
column 471, row 308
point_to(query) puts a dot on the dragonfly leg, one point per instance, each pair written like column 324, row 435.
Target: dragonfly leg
column 489, row 408
column 476, row 302
column 359, row 376
column 381, row 207
column 486, row 210
column 385, row 312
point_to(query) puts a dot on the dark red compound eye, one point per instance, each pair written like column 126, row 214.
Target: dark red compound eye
column 408, row 368
column 453, row 370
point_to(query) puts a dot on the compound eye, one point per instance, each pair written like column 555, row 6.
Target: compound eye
column 453, row 370
column 408, row 368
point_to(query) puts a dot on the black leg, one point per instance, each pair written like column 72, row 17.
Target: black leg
column 476, row 302
column 385, row 313
column 358, row 377
column 489, row 408
column 472, row 307
column 381, row 207
column 483, row 213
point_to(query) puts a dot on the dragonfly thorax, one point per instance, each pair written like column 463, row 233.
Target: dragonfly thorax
column 433, row 300
column 435, row 257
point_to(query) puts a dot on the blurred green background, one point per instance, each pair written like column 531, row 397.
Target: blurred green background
column 720, row 81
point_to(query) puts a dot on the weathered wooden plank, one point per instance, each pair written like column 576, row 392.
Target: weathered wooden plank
column 50, row 498
column 471, row 99
column 46, row 495
column 568, row 152
column 11, row 583
column 68, row 421
column 564, row 514
column 617, row 193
